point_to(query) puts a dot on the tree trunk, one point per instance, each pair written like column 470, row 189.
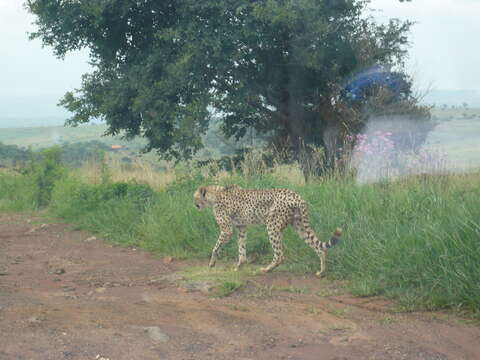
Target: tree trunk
column 332, row 140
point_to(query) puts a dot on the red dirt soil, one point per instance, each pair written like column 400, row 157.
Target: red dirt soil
column 64, row 295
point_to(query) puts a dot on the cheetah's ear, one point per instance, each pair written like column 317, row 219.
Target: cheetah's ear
column 203, row 191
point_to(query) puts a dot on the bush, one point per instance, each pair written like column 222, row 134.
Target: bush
column 13, row 155
column 77, row 153
column 45, row 169
column 17, row 193
column 32, row 187
column 114, row 210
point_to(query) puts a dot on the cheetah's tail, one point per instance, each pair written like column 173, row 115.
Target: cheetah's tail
column 334, row 239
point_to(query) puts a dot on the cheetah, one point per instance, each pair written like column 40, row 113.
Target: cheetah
column 235, row 207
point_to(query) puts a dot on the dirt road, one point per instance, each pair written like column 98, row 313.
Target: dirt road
column 64, row 295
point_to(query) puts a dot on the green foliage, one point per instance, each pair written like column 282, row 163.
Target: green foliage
column 414, row 241
column 11, row 155
column 77, row 153
column 45, row 169
column 17, row 193
column 33, row 187
column 73, row 198
column 273, row 66
column 113, row 210
column 226, row 288
column 216, row 143
column 104, row 170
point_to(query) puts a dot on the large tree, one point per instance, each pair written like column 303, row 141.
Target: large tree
column 161, row 68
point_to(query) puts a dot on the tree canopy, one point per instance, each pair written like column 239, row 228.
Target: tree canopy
column 281, row 67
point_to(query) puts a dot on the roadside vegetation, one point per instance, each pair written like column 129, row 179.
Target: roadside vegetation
column 311, row 95
column 413, row 239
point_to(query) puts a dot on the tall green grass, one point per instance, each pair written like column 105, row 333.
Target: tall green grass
column 114, row 210
column 415, row 240
column 31, row 188
column 17, row 192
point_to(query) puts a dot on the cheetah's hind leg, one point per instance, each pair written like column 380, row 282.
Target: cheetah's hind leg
column 242, row 249
column 323, row 264
column 275, row 237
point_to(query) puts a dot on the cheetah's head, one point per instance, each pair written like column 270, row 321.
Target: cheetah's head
column 204, row 196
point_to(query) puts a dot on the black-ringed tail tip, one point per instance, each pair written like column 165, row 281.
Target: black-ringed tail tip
column 335, row 238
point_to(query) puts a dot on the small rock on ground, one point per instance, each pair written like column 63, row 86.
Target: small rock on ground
column 154, row 333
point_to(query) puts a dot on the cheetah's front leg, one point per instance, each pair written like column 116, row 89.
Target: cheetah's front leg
column 225, row 235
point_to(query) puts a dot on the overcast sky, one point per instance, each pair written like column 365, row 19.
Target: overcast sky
column 444, row 51
column 444, row 54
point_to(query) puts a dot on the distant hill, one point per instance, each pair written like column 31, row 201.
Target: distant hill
column 45, row 136
column 453, row 98
column 20, row 122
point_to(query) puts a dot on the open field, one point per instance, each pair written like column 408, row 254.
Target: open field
column 455, row 113
column 46, row 136
column 66, row 295
column 458, row 136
